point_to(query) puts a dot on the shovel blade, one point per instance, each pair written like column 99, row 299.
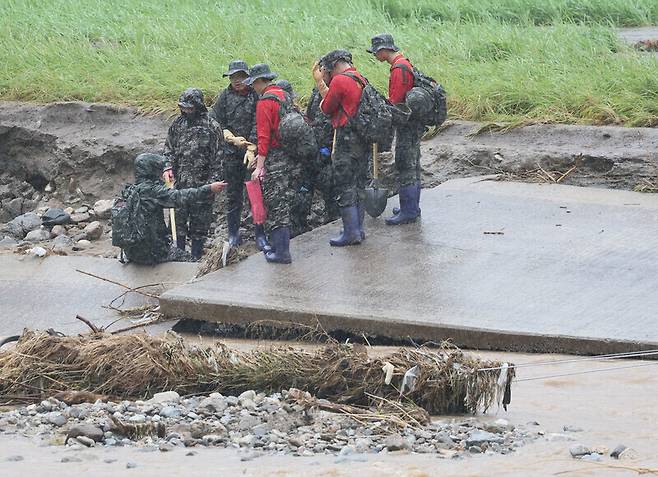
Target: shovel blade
column 375, row 201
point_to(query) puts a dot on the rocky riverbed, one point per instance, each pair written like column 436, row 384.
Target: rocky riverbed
column 256, row 423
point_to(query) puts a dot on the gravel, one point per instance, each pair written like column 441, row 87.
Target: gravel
column 256, row 423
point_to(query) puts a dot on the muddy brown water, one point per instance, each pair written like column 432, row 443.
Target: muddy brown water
column 611, row 408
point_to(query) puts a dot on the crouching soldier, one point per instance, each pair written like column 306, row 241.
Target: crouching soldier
column 273, row 167
column 235, row 110
column 138, row 225
column 350, row 158
column 192, row 152
column 407, row 139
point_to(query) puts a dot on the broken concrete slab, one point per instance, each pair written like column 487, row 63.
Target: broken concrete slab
column 42, row 293
column 491, row 265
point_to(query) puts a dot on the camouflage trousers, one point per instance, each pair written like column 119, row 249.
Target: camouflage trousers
column 194, row 219
column 235, row 174
column 350, row 167
column 407, row 153
column 278, row 192
column 315, row 176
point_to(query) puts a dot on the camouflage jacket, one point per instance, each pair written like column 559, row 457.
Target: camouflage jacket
column 320, row 122
column 237, row 113
column 155, row 196
column 193, row 150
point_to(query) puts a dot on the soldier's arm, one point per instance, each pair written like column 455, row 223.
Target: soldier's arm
column 173, row 198
column 253, row 133
column 169, row 155
column 218, row 111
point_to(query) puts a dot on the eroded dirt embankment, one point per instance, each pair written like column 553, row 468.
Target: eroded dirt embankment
column 67, row 150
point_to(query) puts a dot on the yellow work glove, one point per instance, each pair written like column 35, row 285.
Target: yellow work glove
column 228, row 135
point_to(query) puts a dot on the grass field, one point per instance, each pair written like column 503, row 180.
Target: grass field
column 553, row 60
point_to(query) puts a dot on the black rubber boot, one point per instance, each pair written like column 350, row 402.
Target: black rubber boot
column 197, row 249
column 408, row 208
column 233, row 222
column 281, row 245
column 351, row 233
column 260, row 238
column 180, row 241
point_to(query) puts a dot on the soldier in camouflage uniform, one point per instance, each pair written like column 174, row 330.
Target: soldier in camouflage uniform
column 340, row 101
column 273, row 167
column 193, row 155
column 408, row 135
column 235, row 110
column 153, row 197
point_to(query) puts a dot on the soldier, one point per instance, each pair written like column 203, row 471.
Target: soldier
column 407, row 142
column 341, row 101
column 153, row 197
column 235, row 110
column 192, row 151
column 273, row 167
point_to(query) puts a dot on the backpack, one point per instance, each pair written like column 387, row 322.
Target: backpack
column 436, row 112
column 373, row 120
column 128, row 225
column 295, row 135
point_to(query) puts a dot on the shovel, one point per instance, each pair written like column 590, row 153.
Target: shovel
column 376, row 197
column 172, row 218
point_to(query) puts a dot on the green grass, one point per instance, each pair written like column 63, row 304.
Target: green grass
column 510, row 60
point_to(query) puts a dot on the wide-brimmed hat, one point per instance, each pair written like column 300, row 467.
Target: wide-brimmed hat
column 329, row 60
column 237, row 66
column 259, row 71
column 383, row 41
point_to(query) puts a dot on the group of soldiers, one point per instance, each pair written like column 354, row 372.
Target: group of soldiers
column 238, row 140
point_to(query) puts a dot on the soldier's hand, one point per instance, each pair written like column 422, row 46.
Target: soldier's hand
column 168, row 176
column 217, row 186
column 259, row 171
column 317, row 72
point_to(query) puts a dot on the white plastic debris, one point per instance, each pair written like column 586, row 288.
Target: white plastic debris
column 38, row 251
column 225, row 251
column 388, row 369
column 409, row 380
column 502, row 380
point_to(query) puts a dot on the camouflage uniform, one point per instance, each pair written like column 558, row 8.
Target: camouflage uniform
column 154, row 196
column 278, row 193
column 193, row 152
column 407, row 152
column 350, row 164
column 317, row 174
column 237, row 113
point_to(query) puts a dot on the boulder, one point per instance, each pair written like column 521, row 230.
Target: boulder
column 21, row 225
column 38, row 235
column 93, row 231
column 7, row 242
column 19, row 206
column 103, row 208
column 55, row 216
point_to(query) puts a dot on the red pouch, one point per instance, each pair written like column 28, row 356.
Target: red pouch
column 255, row 194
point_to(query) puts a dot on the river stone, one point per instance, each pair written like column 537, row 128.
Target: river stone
column 579, row 450
column 478, row 438
column 7, row 242
column 55, row 216
column 21, row 225
column 396, row 442
column 94, row 230
column 58, row 230
column 103, row 209
column 167, row 396
column 57, row 419
column 38, row 235
column 89, row 431
column 77, row 218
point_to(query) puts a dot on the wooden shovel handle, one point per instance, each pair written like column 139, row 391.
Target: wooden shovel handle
column 375, row 162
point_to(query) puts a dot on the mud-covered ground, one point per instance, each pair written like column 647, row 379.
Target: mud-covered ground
column 71, row 155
